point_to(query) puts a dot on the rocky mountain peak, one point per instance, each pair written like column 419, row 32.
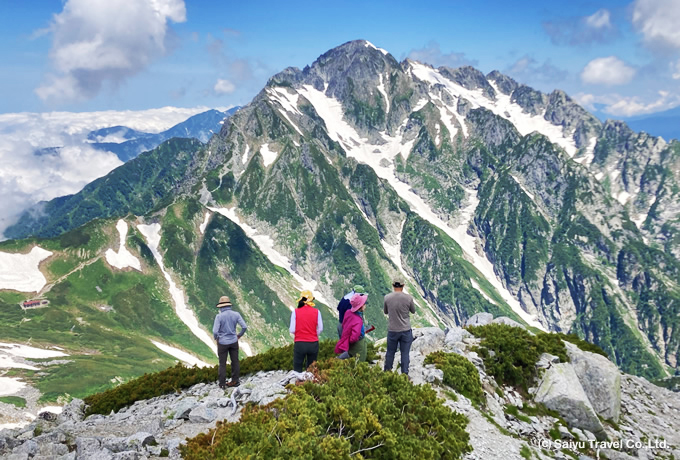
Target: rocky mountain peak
column 504, row 83
column 469, row 78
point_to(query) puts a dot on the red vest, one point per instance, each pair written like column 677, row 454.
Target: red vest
column 306, row 320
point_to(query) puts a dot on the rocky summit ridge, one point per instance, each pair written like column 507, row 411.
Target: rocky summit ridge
column 483, row 194
column 598, row 411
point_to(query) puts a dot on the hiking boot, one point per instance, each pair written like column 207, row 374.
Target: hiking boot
column 233, row 384
column 223, row 387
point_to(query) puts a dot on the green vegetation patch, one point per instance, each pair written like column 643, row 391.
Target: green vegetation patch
column 582, row 344
column 176, row 378
column 352, row 409
column 16, row 400
column 459, row 373
column 515, row 352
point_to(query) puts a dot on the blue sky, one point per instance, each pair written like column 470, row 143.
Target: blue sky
column 621, row 57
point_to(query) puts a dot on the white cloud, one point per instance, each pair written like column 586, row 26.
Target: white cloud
column 99, row 41
column 30, row 174
column 657, row 21
column 582, row 30
column 675, row 69
column 628, row 106
column 599, row 20
column 224, row 87
column 607, row 71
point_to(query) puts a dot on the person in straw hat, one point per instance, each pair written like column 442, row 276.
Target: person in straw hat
column 224, row 332
column 306, row 325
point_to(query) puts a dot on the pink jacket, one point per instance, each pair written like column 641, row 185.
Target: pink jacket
column 351, row 331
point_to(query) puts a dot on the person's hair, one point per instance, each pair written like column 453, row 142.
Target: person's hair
column 302, row 301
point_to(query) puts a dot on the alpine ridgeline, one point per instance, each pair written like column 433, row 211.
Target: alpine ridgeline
column 481, row 193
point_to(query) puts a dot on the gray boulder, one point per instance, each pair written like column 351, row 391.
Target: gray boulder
column 73, row 411
column 479, row 319
column 183, row 408
column 561, row 391
column 433, row 375
column 601, row 380
column 427, row 339
column 455, row 335
column 29, row 447
column 85, row 444
column 201, row 414
column 140, row 439
column 546, row 360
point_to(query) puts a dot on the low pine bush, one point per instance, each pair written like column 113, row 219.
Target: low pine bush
column 178, row 377
column 351, row 410
column 582, row 344
column 459, row 373
column 510, row 353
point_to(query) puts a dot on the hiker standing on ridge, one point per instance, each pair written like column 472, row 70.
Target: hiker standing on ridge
column 224, row 332
column 398, row 306
column 352, row 342
column 306, row 325
column 344, row 305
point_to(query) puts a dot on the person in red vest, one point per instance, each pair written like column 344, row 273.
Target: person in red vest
column 306, row 325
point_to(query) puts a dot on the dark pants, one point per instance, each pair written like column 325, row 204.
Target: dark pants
column 302, row 351
column 232, row 351
column 403, row 339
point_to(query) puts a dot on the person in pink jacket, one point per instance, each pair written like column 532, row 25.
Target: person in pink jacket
column 353, row 329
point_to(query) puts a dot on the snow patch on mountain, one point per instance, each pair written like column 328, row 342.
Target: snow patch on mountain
column 25, row 351
column 268, row 156
column 381, row 88
column 21, row 272
column 202, row 227
column 266, row 244
column 287, row 101
column 9, row 352
column 529, row 194
column 589, row 154
column 368, row 44
column 330, row 110
column 10, row 386
column 123, row 258
column 183, row 356
column 152, row 233
column 244, row 159
column 502, row 106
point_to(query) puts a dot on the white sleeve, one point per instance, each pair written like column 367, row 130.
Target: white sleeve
column 319, row 324
column 292, row 323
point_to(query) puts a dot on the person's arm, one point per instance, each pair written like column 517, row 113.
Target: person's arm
column 385, row 307
column 412, row 306
column 355, row 333
column 243, row 325
column 292, row 322
column 319, row 324
column 216, row 326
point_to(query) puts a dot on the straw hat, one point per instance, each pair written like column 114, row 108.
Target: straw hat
column 224, row 302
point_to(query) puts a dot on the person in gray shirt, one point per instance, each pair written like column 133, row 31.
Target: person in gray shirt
column 398, row 306
column 224, row 332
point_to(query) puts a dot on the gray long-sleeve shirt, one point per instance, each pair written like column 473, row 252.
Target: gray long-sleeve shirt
column 224, row 328
column 397, row 306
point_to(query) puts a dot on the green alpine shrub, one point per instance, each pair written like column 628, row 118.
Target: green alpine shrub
column 351, row 410
column 582, row 344
column 510, row 353
column 459, row 373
